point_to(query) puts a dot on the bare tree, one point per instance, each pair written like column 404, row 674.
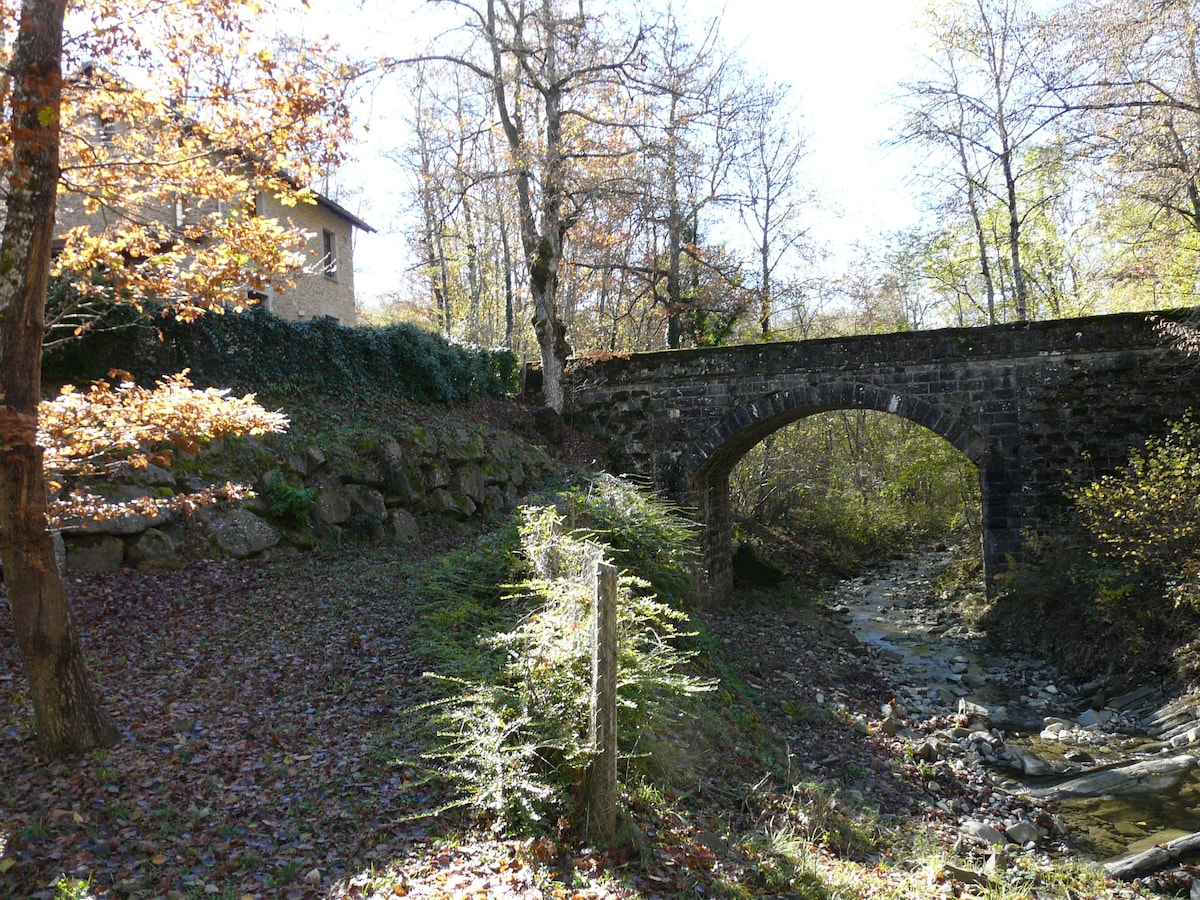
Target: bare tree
column 696, row 102
column 1129, row 73
column 987, row 105
column 774, row 197
column 549, row 69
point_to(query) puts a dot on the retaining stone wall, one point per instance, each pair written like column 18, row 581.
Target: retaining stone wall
column 386, row 492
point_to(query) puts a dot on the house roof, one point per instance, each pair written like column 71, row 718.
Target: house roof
column 338, row 209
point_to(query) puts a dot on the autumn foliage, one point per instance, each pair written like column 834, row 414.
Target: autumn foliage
column 1117, row 592
column 154, row 128
column 89, row 433
column 174, row 118
column 1146, row 517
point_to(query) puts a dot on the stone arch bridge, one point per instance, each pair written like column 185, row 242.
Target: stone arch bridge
column 1038, row 407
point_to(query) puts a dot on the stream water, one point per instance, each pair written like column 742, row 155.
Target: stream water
column 1065, row 742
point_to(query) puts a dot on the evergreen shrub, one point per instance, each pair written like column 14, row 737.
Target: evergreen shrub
column 257, row 351
column 515, row 740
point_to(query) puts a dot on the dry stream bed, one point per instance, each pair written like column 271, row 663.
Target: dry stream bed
column 1058, row 766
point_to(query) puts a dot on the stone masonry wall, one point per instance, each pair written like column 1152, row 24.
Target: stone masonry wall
column 313, row 292
column 386, row 492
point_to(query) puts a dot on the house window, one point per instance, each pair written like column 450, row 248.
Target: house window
column 106, row 129
column 329, row 258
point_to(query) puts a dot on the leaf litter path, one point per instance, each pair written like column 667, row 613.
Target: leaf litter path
column 263, row 714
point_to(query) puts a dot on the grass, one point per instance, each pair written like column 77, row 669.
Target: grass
column 780, row 836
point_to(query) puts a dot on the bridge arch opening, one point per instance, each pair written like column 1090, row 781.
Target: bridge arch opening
column 838, row 489
column 706, row 467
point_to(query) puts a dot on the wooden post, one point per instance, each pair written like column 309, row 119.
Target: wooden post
column 602, row 785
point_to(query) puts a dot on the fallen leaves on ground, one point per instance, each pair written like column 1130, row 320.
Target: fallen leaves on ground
column 263, row 709
column 269, row 731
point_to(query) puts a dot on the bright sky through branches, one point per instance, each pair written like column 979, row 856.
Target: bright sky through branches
column 844, row 61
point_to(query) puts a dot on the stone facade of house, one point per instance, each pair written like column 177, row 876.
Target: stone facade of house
column 325, row 285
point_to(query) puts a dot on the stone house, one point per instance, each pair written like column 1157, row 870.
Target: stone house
column 325, row 288
column 325, row 285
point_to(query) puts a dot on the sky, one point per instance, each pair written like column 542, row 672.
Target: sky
column 844, row 60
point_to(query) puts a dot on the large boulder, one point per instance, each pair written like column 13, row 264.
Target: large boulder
column 366, row 502
column 331, row 506
column 155, row 550
column 469, row 479
column 1154, row 777
column 404, row 487
column 60, row 551
column 417, row 439
column 360, row 468
column 368, row 512
column 306, row 462
column 437, row 475
column 455, row 506
column 404, row 528
column 239, row 533
column 461, row 445
column 95, row 553
column 403, row 480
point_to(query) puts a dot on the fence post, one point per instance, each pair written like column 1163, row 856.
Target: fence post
column 602, row 785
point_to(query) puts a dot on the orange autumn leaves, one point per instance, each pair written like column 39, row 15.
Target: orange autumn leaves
column 175, row 117
column 91, row 432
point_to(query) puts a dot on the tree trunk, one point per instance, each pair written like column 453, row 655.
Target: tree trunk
column 510, row 314
column 549, row 328
column 543, row 247
column 985, row 268
column 1014, row 238
column 69, row 718
column 764, row 297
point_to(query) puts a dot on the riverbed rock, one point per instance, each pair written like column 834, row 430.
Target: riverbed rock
column 1128, row 867
column 929, row 750
column 982, row 832
column 1014, row 718
column 1023, row 832
column 1172, row 719
column 1030, row 763
column 1092, row 717
column 973, row 712
column 1148, row 777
